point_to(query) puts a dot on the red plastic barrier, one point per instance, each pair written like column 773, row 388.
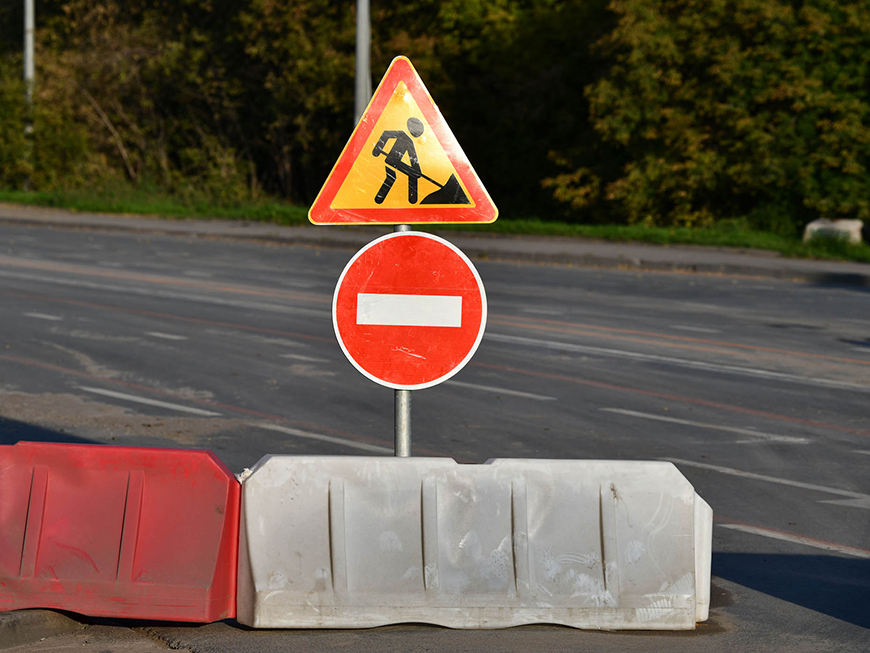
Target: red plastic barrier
column 118, row 531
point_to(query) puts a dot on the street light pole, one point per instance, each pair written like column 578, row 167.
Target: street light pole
column 28, row 49
column 363, row 87
column 29, row 74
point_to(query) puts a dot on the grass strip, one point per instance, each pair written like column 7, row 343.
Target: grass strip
column 728, row 233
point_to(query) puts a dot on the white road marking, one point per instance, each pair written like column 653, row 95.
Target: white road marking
column 866, row 453
column 409, row 310
column 682, row 362
column 150, row 402
column 855, row 500
column 716, row 427
column 326, row 438
column 165, row 336
column 501, row 391
column 682, row 327
column 307, row 359
column 44, row 316
column 797, row 539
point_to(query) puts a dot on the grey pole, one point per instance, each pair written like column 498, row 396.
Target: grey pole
column 29, row 74
column 28, row 49
column 403, row 423
column 363, row 68
column 403, row 403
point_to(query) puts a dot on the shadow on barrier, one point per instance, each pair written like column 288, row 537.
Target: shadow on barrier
column 838, row 587
column 12, row 431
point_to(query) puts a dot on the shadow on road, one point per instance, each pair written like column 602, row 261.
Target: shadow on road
column 838, row 587
column 842, row 280
column 12, row 431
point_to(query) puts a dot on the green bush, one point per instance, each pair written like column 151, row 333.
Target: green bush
column 15, row 156
column 715, row 108
column 43, row 144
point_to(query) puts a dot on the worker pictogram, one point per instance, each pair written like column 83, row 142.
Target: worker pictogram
column 448, row 193
column 402, row 164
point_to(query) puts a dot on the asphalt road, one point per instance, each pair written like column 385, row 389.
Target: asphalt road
column 758, row 389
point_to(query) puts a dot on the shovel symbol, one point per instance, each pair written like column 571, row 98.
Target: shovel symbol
column 448, row 193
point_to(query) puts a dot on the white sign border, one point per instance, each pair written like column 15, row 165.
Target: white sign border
column 483, row 316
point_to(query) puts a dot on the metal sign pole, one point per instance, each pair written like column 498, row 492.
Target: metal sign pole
column 403, row 423
column 402, row 427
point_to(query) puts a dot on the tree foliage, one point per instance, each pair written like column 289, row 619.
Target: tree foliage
column 731, row 107
column 646, row 111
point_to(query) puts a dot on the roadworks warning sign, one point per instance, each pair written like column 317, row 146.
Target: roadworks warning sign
column 402, row 164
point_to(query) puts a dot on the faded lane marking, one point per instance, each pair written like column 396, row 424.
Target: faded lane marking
column 681, row 327
column 794, row 539
column 90, row 271
column 307, row 359
column 501, row 391
column 149, row 402
column 681, row 362
column 761, row 437
column 671, row 397
column 168, row 316
column 855, row 500
column 258, row 414
column 543, row 311
column 165, row 336
column 326, row 438
column 44, row 316
column 614, row 333
column 164, row 294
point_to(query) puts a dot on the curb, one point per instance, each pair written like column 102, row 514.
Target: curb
column 495, row 247
column 22, row 627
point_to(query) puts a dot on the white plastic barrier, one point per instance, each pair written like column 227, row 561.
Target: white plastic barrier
column 353, row 542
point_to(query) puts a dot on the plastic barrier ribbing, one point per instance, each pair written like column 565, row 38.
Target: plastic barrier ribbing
column 118, row 531
column 352, row 542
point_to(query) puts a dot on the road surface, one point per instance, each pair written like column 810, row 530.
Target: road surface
column 757, row 389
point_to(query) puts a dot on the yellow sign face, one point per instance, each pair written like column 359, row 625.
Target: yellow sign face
column 402, row 165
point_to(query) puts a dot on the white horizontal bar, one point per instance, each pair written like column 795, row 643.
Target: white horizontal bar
column 149, row 402
column 409, row 310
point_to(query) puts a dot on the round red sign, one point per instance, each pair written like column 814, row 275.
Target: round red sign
column 409, row 310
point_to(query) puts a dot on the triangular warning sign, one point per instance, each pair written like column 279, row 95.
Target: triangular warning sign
column 402, row 164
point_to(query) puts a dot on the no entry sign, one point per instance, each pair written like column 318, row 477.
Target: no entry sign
column 409, row 310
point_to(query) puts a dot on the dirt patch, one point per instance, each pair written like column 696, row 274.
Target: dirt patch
column 86, row 418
